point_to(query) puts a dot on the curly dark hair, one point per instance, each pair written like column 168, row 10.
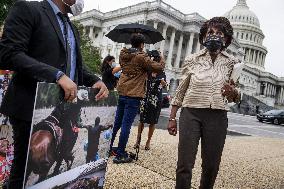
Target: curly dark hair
column 221, row 23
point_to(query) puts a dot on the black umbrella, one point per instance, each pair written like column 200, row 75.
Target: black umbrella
column 123, row 32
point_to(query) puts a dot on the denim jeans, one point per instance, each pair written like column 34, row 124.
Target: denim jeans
column 127, row 109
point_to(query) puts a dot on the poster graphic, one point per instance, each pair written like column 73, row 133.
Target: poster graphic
column 6, row 134
column 69, row 141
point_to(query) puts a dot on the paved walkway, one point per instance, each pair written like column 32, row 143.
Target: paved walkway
column 247, row 162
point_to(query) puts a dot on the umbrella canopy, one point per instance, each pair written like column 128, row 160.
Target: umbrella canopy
column 122, row 33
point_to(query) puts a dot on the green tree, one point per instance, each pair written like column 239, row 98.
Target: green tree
column 91, row 55
column 5, row 5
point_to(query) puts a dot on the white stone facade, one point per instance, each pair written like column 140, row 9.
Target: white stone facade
column 181, row 39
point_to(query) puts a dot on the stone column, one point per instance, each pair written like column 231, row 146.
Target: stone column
column 100, row 37
column 170, row 55
column 189, row 44
column 162, row 47
column 246, row 55
column 249, row 54
column 258, row 88
column 257, row 58
column 254, row 56
column 243, row 58
column 91, row 33
column 278, row 96
column 266, row 90
column 113, row 49
column 264, row 56
column 281, row 95
column 152, row 47
column 260, row 59
column 179, row 50
column 156, row 24
column 198, row 45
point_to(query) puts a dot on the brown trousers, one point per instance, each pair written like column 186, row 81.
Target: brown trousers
column 211, row 126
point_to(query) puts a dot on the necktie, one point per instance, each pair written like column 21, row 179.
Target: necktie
column 67, row 45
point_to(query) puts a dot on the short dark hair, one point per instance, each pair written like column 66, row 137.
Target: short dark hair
column 221, row 23
column 136, row 40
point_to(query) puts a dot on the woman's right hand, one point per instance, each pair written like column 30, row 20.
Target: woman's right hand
column 172, row 127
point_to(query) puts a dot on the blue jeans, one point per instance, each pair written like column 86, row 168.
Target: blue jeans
column 127, row 109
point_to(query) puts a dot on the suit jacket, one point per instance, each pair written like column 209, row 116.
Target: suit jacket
column 32, row 45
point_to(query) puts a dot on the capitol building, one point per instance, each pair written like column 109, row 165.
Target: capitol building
column 180, row 32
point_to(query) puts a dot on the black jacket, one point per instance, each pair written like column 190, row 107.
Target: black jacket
column 108, row 78
column 32, row 45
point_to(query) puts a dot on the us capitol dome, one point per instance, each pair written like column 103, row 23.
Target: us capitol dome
column 248, row 33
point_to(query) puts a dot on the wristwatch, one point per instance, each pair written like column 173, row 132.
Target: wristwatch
column 172, row 119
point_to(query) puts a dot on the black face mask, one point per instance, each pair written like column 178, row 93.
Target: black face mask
column 214, row 43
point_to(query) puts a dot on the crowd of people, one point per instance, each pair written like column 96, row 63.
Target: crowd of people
column 208, row 83
column 6, row 159
column 4, row 82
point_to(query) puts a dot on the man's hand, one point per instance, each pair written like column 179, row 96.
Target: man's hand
column 172, row 127
column 103, row 93
column 69, row 87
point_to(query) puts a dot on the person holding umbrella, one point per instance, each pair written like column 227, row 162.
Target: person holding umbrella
column 135, row 64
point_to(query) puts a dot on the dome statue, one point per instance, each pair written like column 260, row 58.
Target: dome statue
column 248, row 33
column 241, row 14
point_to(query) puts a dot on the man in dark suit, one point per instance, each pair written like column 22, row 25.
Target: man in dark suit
column 39, row 43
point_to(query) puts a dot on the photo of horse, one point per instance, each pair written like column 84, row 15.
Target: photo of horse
column 67, row 138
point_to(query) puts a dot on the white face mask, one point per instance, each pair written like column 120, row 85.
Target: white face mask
column 77, row 8
column 113, row 65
